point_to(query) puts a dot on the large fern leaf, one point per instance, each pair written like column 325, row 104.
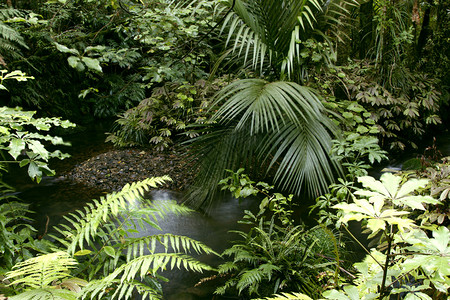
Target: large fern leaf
column 46, row 294
column 86, row 223
column 142, row 266
column 41, row 271
column 288, row 296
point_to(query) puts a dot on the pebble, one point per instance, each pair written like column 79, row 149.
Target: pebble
column 113, row 169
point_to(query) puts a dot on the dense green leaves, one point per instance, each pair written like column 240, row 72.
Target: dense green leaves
column 276, row 123
column 98, row 246
column 42, row 271
column 17, row 140
column 409, row 253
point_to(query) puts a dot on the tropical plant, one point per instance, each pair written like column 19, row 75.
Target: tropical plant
column 408, row 260
column 97, row 58
column 96, row 254
column 15, row 229
column 159, row 120
column 19, row 142
column 283, row 49
column 11, row 41
column 289, row 296
column 279, row 125
column 22, row 142
column 275, row 255
column 398, row 117
column 438, row 174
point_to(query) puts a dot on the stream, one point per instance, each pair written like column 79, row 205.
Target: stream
column 57, row 196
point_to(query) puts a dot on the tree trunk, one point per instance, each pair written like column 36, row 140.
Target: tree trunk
column 365, row 28
column 425, row 32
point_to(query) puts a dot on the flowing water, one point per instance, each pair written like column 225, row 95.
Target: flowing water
column 56, row 196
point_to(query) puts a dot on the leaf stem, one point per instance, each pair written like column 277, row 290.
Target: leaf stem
column 386, row 264
column 362, row 246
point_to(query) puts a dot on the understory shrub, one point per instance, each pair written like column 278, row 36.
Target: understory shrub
column 276, row 255
column 398, row 116
column 94, row 254
column 410, row 258
column 165, row 116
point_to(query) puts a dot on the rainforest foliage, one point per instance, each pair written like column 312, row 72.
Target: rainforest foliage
column 307, row 95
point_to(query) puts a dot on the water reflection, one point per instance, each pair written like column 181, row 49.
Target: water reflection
column 211, row 229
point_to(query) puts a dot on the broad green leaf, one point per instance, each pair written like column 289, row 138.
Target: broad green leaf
column 92, row 63
column 65, row 49
column 82, row 252
column 391, row 183
column 73, row 61
column 373, row 184
column 15, row 147
column 34, row 172
column 376, row 224
column 352, row 292
column 98, row 48
column 24, row 162
column 38, row 148
column 441, row 239
column 411, row 185
column 362, row 129
column 335, row 295
column 110, row 251
column 347, row 115
column 4, row 130
column 417, row 296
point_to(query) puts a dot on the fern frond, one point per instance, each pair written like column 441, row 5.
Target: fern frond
column 10, row 34
column 143, row 266
column 249, row 278
column 41, row 271
column 268, row 269
column 240, row 254
column 222, row 289
column 144, row 291
column 9, row 13
column 45, row 294
column 227, row 267
column 135, row 246
column 86, row 224
column 288, row 296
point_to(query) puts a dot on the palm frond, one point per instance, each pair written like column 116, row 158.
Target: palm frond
column 256, row 33
column 265, row 105
column 302, row 156
column 337, row 16
column 281, row 123
column 220, row 149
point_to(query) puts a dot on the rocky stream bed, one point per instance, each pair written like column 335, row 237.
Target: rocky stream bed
column 111, row 170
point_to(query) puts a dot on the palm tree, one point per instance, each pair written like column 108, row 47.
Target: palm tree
column 272, row 122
